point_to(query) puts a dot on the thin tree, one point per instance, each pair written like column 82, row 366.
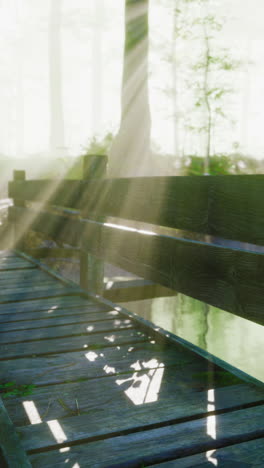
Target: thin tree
column 129, row 155
column 57, row 144
column 96, row 69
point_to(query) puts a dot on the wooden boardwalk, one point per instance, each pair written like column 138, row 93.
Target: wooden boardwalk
column 109, row 392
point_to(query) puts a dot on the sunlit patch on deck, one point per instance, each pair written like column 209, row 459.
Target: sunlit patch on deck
column 52, row 309
column 32, row 412
column 91, row 356
column 57, row 431
column 109, row 369
column 211, row 425
column 111, row 338
column 144, row 387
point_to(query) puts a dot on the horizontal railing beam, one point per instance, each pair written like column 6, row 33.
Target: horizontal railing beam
column 220, row 206
column 230, row 279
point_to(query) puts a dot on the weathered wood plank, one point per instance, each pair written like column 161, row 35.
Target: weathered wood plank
column 75, row 365
column 245, row 455
column 54, row 312
column 57, row 302
column 54, row 286
column 157, row 445
column 51, row 321
column 13, row 261
column 71, row 343
column 12, row 454
column 48, row 191
column 226, row 278
column 12, row 266
column 33, row 295
column 66, row 330
column 185, row 397
column 17, row 283
column 223, row 206
column 7, row 253
column 23, row 274
column 111, row 412
column 230, row 279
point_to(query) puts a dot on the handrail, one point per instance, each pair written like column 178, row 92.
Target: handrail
column 220, row 206
column 228, row 278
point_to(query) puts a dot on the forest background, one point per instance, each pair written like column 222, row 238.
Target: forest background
column 61, row 85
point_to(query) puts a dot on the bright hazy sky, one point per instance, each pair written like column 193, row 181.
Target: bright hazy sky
column 24, row 91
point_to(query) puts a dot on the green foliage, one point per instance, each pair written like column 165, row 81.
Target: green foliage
column 204, row 74
column 96, row 146
column 9, row 389
column 219, row 164
column 99, row 145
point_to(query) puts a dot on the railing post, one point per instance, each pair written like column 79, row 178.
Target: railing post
column 91, row 268
column 18, row 176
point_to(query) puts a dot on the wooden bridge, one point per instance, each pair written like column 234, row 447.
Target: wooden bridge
column 89, row 384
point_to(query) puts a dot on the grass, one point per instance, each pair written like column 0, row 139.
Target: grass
column 9, row 389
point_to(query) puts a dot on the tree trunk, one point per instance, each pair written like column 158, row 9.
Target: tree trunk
column 130, row 152
column 56, row 107
column 174, row 80
column 208, row 107
column 96, row 99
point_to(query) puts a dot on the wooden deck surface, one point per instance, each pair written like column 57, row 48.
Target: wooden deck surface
column 109, row 393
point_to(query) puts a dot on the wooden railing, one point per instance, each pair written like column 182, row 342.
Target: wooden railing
column 77, row 213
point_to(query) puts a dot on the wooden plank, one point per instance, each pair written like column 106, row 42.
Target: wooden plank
column 176, row 397
column 5, row 262
column 119, row 419
column 226, row 278
column 159, row 334
column 245, row 455
column 21, row 336
column 12, row 260
column 160, row 444
column 7, row 253
column 17, row 289
column 23, row 276
column 230, row 279
column 71, row 343
column 33, row 295
column 12, row 454
column 9, row 266
column 72, row 366
column 53, row 312
column 17, row 283
column 23, row 273
column 57, row 302
column 48, row 192
column 223, row 206
column 77, row 365
column 51, row 321
column 54, row 252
